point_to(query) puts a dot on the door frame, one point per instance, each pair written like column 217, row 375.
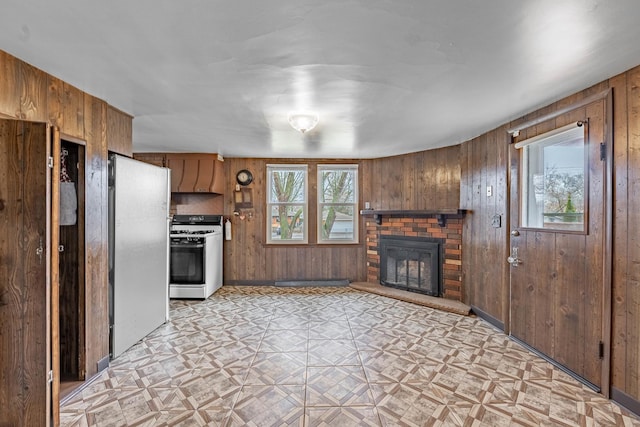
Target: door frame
column 54, row 259
column 607, row 96
column 82, row 258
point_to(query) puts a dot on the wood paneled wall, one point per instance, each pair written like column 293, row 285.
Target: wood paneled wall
column 484, row 164
column 30, row 94
column 249, row 260
column 96, row 234
column 486, row 275
column 119, row 132
column 425, row 180
column 625, row 335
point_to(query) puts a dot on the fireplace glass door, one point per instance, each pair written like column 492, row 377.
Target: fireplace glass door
column 412, row 265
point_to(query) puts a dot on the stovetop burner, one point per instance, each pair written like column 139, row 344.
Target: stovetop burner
column 195, row 225
column 192, row 231
column 199, row 220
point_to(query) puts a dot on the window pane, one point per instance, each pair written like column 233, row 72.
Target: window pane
column 338, row 222
column 553, row 195
column 337, row 186
column 287, row 222
column 287, row 203
column 287, row 186
column 337, row 203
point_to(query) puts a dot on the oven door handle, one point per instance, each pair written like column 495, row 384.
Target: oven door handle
column 187, row 245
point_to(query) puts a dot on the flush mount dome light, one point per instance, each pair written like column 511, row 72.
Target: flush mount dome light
column 303, row 122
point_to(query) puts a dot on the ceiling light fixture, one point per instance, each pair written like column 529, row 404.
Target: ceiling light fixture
column 303, row 122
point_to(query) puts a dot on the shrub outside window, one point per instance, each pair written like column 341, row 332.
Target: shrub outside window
column 287, row 204
column 337, row 203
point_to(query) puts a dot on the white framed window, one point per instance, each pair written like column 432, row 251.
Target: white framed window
column 337, row 203
column 553, row 194
column 287, row 203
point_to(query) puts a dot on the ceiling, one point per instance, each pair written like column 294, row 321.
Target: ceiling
column 385, row 77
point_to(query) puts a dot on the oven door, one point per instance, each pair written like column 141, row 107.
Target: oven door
column 187, row 262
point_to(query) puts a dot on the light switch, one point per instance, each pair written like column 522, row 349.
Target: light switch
column 496, row 221
column 489, row 191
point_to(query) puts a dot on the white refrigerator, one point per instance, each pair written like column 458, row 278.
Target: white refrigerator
column 139, row 199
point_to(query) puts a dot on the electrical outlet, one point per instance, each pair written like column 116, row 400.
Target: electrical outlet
column 489, row 191
column 496, row 221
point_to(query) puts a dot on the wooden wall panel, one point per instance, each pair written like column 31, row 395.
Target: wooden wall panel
column 157, row 159
column 407, row 180
column 632, row 350
column 371, row 191
column 620, row 233
column 195, row 203
column 501, row 234
column 424, row 180
column 9, row 86
column 33, row 93
column 119, row 132
column 96, row 251
column 387, row 181
column 466, row 201
column 592, row 294
column 484, row 248
column 426, row 172
column 66, row 107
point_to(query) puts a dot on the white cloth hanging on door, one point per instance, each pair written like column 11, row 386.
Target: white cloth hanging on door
column 68, row 195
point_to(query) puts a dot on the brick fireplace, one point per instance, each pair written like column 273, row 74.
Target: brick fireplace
column 447, row 228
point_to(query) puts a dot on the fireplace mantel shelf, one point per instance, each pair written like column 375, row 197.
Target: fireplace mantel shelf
column 440, row 214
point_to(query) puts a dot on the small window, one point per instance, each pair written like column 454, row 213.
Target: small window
column 287, row 204
column 337, row 203
column 553, row 192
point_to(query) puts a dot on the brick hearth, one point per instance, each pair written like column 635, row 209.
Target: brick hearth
column 420, row 227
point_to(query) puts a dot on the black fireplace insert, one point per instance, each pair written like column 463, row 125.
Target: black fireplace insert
column 412, row 263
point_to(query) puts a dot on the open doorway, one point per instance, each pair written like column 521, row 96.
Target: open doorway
column 72, row 267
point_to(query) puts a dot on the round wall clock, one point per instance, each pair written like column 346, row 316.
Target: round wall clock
column 244, row 177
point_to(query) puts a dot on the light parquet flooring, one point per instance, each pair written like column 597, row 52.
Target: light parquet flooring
column 266, row 356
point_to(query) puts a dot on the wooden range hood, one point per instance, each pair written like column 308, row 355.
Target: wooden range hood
column 196, row 173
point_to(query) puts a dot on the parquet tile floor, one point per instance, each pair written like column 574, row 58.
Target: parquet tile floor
column 266, row 356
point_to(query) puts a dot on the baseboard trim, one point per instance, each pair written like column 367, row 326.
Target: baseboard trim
column 103, row 364
column 487, row 317
column 305, row 283
column 289, row 283
column 249, row 282
column 81, row 387
column 626, row 401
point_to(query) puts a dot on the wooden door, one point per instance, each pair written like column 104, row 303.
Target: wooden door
column 25, row 282
column 558, row 262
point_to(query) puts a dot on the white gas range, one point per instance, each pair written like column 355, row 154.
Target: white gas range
column 195, row 268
